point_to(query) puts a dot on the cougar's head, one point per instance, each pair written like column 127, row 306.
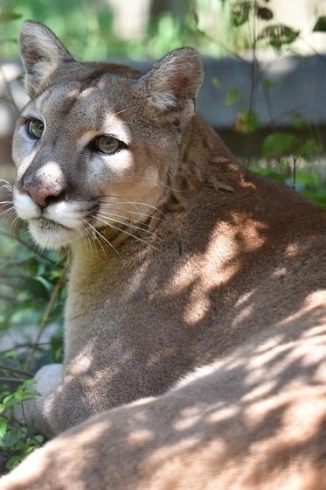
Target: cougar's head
column 96, row 144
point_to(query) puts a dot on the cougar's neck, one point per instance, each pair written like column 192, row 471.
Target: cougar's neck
column 204, row 158
column 202, row 144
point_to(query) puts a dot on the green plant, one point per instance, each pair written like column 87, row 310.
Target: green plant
column 87, row 28
column 282, row 152
column 17, row 439
column 32, row 294
column 31, row 299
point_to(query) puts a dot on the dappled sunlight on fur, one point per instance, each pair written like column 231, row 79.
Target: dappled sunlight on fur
column 223, row 429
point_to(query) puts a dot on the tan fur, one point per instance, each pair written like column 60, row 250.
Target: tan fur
column 254, row 420
column 225, row 273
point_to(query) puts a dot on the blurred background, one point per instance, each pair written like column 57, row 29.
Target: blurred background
column 264, row 60
column 149, row 28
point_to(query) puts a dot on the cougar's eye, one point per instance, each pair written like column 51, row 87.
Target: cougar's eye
column 34, row 128
column 107, row 144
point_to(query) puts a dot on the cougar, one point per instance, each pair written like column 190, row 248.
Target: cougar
column 195, row 324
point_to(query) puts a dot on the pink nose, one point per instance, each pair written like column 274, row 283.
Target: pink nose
column 44, row 194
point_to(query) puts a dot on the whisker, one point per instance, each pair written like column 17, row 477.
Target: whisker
column 7, row 186
column 137, row 213
column 134, row 203
column 129, row 123
column 166, row 186
column 10, row 217
column 4, row 182
column 6, row 203
column 7, row 211
column 112, row 217
column 101, row 237
column 117, row 241
column 84, row 229
column 120, row 112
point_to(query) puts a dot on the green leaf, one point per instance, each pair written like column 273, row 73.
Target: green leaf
column 216, row 82
column 57, row 346
column 33, row 443
column 21, row 396
column 267, row 84
column 279, row 144
column 285, row 167
column 11, row 40
column 246, row 121
column 240, row 13
column 13, row 437
column 13, row 462
column 9, row 401
column 38, row 439
column 278, row 34
column 319, row 198
column 194, row 16
column 11, row 354
column 264, row 13
column 320, row 25
column 297, row 121
column 9, row 16
column 39, row 288
column 309, row 179
column 310, row 149
column 267, row 172
column 28, row 383
column 232, row 97
column 24, row 392
column 3, row 427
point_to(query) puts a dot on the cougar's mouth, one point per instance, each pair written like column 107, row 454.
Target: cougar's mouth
column 51, row 234
column 43, row 221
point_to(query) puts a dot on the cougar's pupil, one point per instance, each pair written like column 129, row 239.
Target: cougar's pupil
column 35, row 128
column 107, row 144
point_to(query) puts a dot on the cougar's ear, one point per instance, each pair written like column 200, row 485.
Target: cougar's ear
column 172, row 84
column 41, row 52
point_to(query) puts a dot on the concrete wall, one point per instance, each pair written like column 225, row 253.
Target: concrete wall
column 297, row 86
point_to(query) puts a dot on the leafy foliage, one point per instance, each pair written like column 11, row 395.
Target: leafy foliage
column 32, row 295
column 233, row 96
column 246, row 121
column 278, row 143
column 15, row 438
column 277, row 35
column 282, row 151
column 240, row 12
column 320, row 25
column 9, row 16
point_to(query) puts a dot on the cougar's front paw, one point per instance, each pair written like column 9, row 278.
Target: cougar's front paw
column 37, row 411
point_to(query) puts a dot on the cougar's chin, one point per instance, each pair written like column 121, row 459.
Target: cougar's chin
column 51, row 235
